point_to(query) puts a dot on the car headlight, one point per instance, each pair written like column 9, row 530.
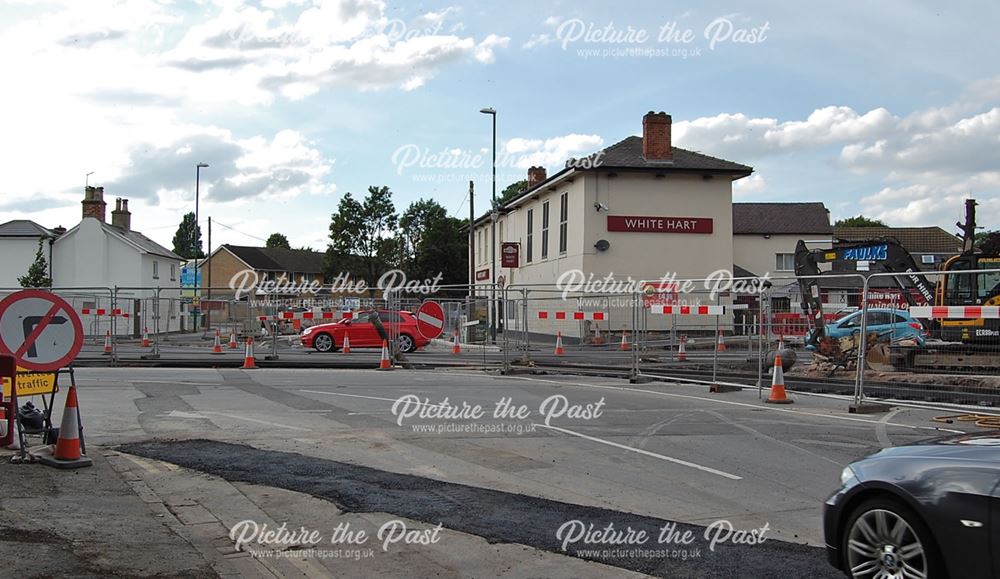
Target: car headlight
column 847, row 475
column 307, row 330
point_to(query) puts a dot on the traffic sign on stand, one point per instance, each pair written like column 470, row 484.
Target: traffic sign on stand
column 40, row 329
column 430, row 319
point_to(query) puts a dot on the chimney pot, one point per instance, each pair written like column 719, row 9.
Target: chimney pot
column 656, row 138
column 93, row 203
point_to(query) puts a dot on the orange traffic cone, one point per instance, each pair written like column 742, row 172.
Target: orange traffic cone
column 624, row 344
column 233, row 344
column 249, row 362
column 347, row 345
column 107, row 342
column 384, row 363
column 598, row 339
column 559, row 347
column 721, row 343
column 217, row 346
column 457, row 348
column 145, row 338
column 682, row 355
column 68, row 450
column 778, row 384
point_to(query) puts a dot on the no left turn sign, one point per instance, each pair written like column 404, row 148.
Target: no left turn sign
column 40, row 329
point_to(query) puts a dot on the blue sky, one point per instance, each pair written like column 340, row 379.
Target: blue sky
column 891, row 109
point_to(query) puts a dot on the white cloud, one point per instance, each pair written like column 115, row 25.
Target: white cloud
column 552, row 152
column 749, row 185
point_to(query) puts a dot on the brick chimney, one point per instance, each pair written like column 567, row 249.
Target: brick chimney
column 121, row 217
column 535, row 176
column 93, row 203
column 656, row 144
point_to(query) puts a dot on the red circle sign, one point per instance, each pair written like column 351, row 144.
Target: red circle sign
column 40, row 329
column 430, row 319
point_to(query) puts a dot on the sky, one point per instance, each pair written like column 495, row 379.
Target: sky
column 889, row 109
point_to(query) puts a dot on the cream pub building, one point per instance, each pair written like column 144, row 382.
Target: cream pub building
column 642, row 209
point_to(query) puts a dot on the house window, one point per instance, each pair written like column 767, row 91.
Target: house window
column 784, row 262
column 545, row 230
column 529, row 246
column 563, row 215
column 156, row 269
column 173, row 272
column 927, row 259
column 308, row 277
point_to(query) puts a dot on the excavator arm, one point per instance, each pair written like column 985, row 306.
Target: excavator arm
column 884, row 253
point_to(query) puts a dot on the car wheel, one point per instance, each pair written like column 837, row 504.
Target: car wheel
column 406, row 343
column 884, row 538
column 323, row 343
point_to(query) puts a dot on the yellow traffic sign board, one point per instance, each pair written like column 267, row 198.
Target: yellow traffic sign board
column 31, row 383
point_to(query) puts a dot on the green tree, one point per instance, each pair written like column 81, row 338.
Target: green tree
column 277, row 240
column 38, row 272
column 988, row 242
column 187, row 238
column 414, row 223
column 512, row 191
column 362, row 240
column 859, row 221
column 443, row 249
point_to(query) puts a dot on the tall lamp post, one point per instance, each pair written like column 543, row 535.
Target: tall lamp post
column 194, row 241
column 493, row 231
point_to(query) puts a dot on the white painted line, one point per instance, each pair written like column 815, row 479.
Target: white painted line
column 644, row 452
column 348, row 395
column 201, row 415
column 743, row 404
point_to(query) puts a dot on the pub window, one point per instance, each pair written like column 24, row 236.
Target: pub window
column 531, row 236
column 563, row 215
column 545, row 230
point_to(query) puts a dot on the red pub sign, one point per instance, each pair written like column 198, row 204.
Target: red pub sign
column 652, row 224
column 510, row 254
column 482, row 274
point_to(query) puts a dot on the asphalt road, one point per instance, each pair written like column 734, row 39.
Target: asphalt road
column 661, row 452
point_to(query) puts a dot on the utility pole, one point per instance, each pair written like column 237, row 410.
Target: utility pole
column 208, row 310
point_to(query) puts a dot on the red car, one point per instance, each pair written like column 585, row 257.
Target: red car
column 362, row 332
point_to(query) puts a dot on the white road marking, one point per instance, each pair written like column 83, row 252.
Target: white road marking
column 644, row 452
column 743, row 404
column 349, row 395
column 881, row 432
column 202, row 413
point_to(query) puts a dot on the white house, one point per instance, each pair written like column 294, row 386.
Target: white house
column 19, row 240
column 95, row 257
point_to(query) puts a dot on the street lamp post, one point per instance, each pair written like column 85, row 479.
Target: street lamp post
column 194, row 234
column 493, row 231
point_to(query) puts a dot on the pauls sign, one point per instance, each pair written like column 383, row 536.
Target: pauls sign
column 650, row 224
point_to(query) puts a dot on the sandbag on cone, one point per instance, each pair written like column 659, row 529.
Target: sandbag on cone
column 249, row 362
column 682, row 350
column 384, row 363
column 145, row 338
column 217, row 346
column 347, row 345
column 559, row 351
column 233, row 344
column 68, row 452
column 457, row 347
column 778, row 384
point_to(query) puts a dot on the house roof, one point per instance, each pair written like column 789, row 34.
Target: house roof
column 781, row 218
column 278, row 258
column 914, row 239
column 144, row 243
column 22, row 228
column 627, row 154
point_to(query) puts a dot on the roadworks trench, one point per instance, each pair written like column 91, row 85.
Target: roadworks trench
column 498, row 517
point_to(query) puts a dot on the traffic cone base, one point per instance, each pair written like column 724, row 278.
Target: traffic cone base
column 559, row 351
column 385, row 363
column 67, row 451
column 347, row 345
column 778, row 395
column 249, row 362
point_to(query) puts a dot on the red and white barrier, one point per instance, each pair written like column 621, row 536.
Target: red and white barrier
column 955, row 312
column 716, row 310
column 313, row 315
column 103, row 312
column 562, row 315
